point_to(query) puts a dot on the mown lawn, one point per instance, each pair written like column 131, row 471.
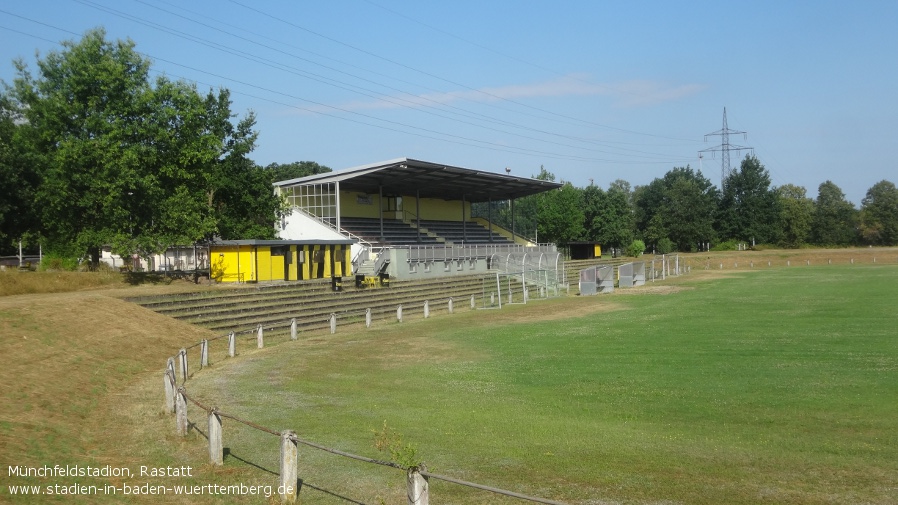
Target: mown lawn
column 768, row 386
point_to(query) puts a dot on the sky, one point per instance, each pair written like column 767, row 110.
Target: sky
column 594, row 91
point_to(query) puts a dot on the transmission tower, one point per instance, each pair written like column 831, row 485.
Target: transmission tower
column 725, row 147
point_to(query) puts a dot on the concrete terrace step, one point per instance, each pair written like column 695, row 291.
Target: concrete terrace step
column 311, row 303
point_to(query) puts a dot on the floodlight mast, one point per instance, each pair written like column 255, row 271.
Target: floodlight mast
column 725, row 147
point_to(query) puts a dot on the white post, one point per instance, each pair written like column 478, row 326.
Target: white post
column 260, row 338
column 809, row 262
column 426, row 309
column 678, row 264
column 473, row 303
column 232, row 344
column 788, row 263
column 333, row 321
column 417, row 488
column 169, row 382
column 183, row 357
column 181, row 412
column 288, row 477
column 450, row 305
column 204, row 353
column 367, row 318
column 399, row 313
column 216, row 454
column 293, row 329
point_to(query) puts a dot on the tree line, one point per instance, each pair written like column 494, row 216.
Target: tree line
column 683, row 211
column 93, row 153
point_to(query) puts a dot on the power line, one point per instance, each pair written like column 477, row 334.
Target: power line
column 446, row 137
column 364, row 92
column 434, row 76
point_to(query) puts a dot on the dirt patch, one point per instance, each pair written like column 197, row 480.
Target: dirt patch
column 651, row 290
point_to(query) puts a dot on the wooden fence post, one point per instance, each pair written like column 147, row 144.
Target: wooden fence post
column 293, row 329
column 399, row 313
column 232, row 344
column 216, row 454
column 182, row 356
column 450, row 305
column 181, row 412
column 260, row 338
column 288, row 477
column 204, row 353
column 417, row 488
column 367, row 318
column 426, row 309
column 333, row 321
column 169, row 378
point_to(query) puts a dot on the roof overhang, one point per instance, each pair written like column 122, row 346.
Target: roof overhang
column 275, row 243
column 406, row 176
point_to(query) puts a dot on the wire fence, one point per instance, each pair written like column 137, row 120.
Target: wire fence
column 177, row 399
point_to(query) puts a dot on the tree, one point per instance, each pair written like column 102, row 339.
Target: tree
column 879, row 214
column 796, row 215
column 18, row 218
column 560, row 217
column 133, row 164
column 749, row 208
column 680, row 206
column 283, row 172
column 608, row 216
column 834, row 217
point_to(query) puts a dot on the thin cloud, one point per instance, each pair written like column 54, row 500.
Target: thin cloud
column 627, row 94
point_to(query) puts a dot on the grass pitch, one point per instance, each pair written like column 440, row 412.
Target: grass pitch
column 774, row 386
column 753, row 386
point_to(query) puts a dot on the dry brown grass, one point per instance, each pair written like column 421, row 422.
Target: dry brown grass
column 74, row 364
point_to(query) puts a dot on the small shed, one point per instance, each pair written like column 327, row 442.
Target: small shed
column 585, row 250
column 279, row 260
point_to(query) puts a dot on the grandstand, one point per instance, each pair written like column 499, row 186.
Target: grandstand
column 411, row 219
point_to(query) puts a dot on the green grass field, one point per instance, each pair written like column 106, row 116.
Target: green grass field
column 773, row 386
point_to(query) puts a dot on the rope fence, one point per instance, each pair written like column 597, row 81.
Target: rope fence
column 176, row 400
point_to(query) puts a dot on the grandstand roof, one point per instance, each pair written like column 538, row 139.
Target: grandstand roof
column 405, row 176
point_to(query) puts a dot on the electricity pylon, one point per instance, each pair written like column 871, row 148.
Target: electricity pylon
column 725, row 147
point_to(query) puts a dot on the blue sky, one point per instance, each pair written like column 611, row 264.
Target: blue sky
column 592, row 90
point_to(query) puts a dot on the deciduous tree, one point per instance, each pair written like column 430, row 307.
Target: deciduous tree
column 796, row 215
column 835, row 217
column 879, row 214
column 749, row 207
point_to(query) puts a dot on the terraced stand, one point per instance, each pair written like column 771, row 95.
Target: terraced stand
column 310, row 302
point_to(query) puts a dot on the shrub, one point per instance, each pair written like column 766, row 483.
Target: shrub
column 52, row 262
column 665, row 246
column 729, row 245
column 636, row 248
